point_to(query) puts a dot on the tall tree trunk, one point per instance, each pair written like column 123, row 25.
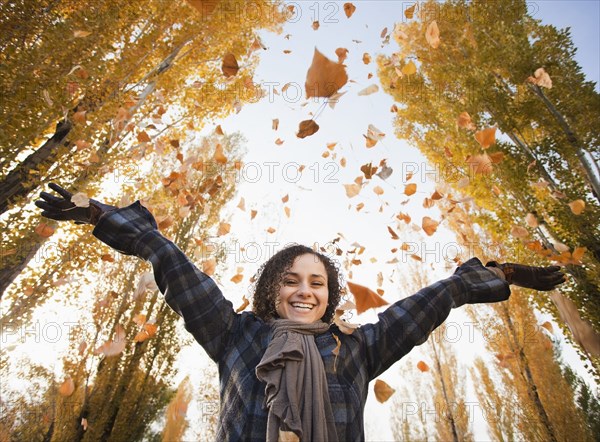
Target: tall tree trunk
column 438, row 367
column 592, row 179
column 18, row 182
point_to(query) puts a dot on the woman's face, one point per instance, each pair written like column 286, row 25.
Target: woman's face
column 303, row 294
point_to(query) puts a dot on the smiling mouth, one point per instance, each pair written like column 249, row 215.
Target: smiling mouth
column 302, row 306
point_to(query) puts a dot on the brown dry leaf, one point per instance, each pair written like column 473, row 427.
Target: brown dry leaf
column 139, row 319
column 229, row 67
column 432, row 35
column 371, row 89
column 209, row 266
column 28, row 290
column 330, row 146
column 383, row 391
column 324, row 77
column 164, row 222
column 496, row 157
column 378, row 190
column 219, row 130
column 478, row 164
column 81, row 348
column 464, row 121
column 287, row 211
column 223, row 229
column 81, row 34
column 253, row 213
column 577, row 206
column 548, row 326
column 147, row 332
column 218, row 156
column 410, row 189
column 410, row 11
column 342, row 54
column 394, row 234
column 271, row 230
column 315, row 25
column 429, row 225
column 279, row 141
column 307, row 128
column 519, row 232
column 349, row 9
column 237, row 278
column 275, row 124
column 82, row 145
column 366, row 58
column 541, row 78
column 285, row 198
column 114, row 347
column 352, row 189
column 404, row 217
column 67, row 387
column 486, row 137
column 531, row 220
column 107, row 257
column 44, row 230
column 422, row 366
column 143, row 137
column 80, row 199
column 79, row 117
column 242, row 307
column 583, row 332
column 365, row 298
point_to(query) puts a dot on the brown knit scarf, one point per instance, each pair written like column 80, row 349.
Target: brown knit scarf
column 296, row 390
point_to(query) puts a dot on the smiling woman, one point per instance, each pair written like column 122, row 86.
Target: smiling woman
column 286, row 372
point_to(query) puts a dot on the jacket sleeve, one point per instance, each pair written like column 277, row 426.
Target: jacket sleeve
column 192, row 294
column 410, row 321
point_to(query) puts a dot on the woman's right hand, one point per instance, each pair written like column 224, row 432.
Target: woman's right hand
column 62, row 209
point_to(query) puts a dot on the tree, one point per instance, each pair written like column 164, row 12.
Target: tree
column 524, row 185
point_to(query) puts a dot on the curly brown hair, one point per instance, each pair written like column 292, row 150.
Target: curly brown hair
column 269, row 279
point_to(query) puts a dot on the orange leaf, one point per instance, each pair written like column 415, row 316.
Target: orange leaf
column 478, row 164
column 577, row 206
column 378, row 190
column 349, row 9
column 422, row 366
column 410, row 189
column 352, row 190
column 394, row 234
column 107, row 257
column 519, row 232
column 229, row 67
column 271, row 230
column 67, row 387
column 245, row 303
column 143, row 137
column 209, row 266
column 114, row 347
column 429, row 225
column 383, row 391
column 236, row 279
column 410, row 11
column 366, row 58
column 253, row 213
column 223, row 229
column 218, row 156
column 307, row 128
column 324, row 77
column 365, row 298
column 486, row 137
column 342, row 54
column 44, row 230
column 464, row 121
column 79, row 117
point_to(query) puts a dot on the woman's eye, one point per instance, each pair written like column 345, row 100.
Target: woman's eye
column 289, row 281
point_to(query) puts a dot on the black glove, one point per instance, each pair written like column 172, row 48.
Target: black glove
column 537, row 278
column 62, row 209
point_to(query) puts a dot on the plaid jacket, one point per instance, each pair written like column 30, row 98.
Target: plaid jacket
column 237, row 342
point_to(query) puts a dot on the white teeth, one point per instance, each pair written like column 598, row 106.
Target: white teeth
column 302, row 305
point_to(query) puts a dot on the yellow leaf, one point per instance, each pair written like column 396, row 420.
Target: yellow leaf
column 81, row 34
column 432, row 35
column 409, row 68
column 577, row 206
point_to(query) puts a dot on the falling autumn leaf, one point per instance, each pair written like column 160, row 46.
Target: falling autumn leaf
column 478, row 164
column 577, row 206
column 410, row 189
column 429, row 225
column 432, row 35
column 209, row 266
column 79, row 117
column 464, row 121
column 245, row 303
column 315, row 25
column 229, row 67
column 81, row 34
column 148, row 331
column 422, row 366
column 44, row 230
column 366, row 58
column 67, row 387
column 519, row 232
column 324, row 77
column 531, row 220
column 349, row 9
column 342, row 54
column 582, row 330
column 279, row 141
column 271, row 230
column 344, row 326
column 409, row 68
column 541, row 78
column 486, row 137
column 218, row 156
column 223, row 229
column 307, row 128
column 394, row 234
column 371, row 89
column 365, row 298
column 114, row 347
column 382, row 391
column 80, row 199
column 410, row 11
column 352, row 189
column 275, row 124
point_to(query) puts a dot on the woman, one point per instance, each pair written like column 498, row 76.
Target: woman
column 286, row 372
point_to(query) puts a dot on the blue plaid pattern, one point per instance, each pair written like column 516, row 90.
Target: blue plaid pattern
column 237, row 342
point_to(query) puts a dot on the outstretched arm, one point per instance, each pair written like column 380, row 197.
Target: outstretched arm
column 410, row 321
column 132, row 230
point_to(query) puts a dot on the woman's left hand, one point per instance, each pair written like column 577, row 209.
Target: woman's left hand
column 531, row 277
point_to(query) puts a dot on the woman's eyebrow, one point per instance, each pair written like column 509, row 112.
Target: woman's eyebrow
column 296, row 275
